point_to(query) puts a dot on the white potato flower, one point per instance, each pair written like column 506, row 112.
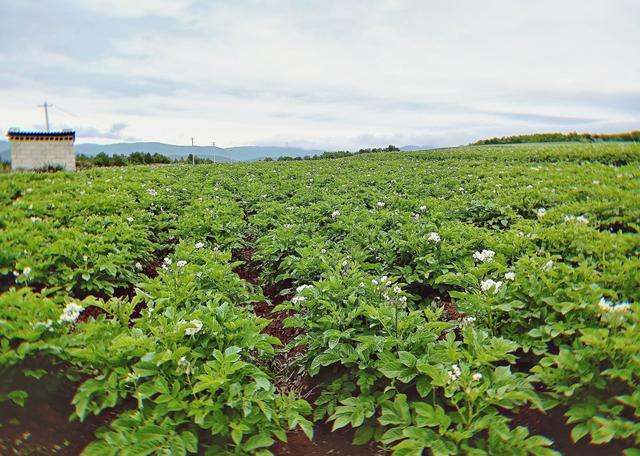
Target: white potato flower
column 484, row 256
column 196, row 327
column 489, row 284
column 70, row 313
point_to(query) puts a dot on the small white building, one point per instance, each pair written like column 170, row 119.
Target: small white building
column 42, row 149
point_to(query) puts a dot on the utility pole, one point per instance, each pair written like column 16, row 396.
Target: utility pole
column 214, row 152
column 46, row 107
column 193, row 155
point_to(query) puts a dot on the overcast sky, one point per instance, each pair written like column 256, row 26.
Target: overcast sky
column 323, row 74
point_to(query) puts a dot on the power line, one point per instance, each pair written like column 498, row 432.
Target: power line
column 65, row 112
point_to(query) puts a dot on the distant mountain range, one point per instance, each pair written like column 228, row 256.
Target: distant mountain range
column 5, row 152
column 240, row 153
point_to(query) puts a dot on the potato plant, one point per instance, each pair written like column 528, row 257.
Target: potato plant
column 429, row 298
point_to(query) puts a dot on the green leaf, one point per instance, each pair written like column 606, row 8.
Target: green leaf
column 423, row 386
column 258, row 441
column 396, row 412
column 363, row 435
column 578, row 432
column 190, row 441
column 18, row 397
column 340, row 422
column 307, row 427
column 35, row 373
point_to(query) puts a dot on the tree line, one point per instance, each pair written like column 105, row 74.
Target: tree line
column 135, row 158
column 562, row 137
column 337, row 154
column 146, row 158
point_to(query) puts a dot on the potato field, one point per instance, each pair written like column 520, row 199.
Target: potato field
column 475, row 300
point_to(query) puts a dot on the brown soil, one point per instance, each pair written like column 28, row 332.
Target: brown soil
column 287, row 375
column 151, row 269
column 42, row 426
column 324, row 443
column 552, row 424
column 451, row 311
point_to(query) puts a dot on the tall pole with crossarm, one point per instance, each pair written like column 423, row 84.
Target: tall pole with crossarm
column 46, row 107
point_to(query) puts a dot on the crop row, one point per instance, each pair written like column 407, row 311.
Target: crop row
column 435, row 297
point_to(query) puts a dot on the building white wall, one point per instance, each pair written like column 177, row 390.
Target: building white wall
column 42, row 152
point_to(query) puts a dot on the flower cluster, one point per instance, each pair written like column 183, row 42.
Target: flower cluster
column 454, row 373
column 25, row 272
column 541, row 212
column 467, row 321
column 396, row 290
column 484, row 256
column 434, row 237
column 609, row 306
column 195, row 327
column 580, row 219
column 199, row 245
column 46, row 325
column 489, row 284
column 335, row 214
column 70, row 313
column 380, row 204
column 297, row 299
column 152, row 192
column 510, row 276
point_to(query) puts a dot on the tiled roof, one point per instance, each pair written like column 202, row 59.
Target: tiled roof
column 17, row 133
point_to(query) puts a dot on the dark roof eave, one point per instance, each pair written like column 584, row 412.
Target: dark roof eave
column 18, row 134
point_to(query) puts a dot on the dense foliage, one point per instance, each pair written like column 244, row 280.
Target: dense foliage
column 633, row 136
column 338, row 154
column 135, row 158
column 434, row 296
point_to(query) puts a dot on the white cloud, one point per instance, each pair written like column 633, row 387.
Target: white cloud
column 136, row 8
column 332, row 74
